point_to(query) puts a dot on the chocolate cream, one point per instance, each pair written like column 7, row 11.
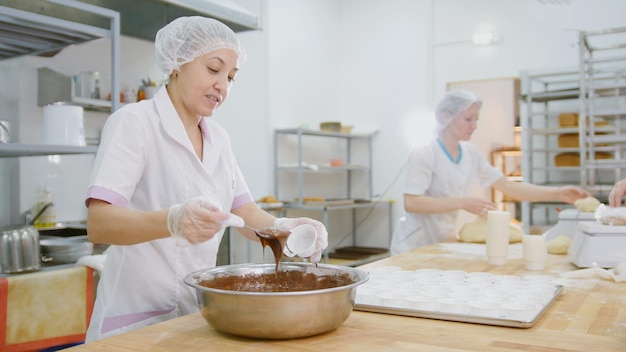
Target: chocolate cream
column 279, row 281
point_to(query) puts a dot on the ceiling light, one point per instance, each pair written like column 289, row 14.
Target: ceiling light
column 484, row 38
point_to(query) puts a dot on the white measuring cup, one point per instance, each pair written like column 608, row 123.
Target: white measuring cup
column 301, row 241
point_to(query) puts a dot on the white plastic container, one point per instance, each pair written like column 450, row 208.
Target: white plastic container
column 301, row 241
column 63, row 125
column 535, row 252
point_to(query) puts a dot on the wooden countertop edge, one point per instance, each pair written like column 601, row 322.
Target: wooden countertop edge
column 590, row 315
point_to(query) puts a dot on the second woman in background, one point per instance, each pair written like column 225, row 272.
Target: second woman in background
column 442, row 173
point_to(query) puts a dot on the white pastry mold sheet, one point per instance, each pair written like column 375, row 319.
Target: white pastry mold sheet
column 455, row 295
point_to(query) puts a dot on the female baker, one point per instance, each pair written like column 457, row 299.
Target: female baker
column 442, row 173
column 165, row 181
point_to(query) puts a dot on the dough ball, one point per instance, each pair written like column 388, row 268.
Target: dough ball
column 476, row 232
column 559, row 245
column 587, row 205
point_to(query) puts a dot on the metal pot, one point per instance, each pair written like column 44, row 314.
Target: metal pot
column 276, row 315
column 19, row 249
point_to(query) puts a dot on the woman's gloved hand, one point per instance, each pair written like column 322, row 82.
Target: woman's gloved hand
column 477, row 206
column 195, row 221
column 322, row 235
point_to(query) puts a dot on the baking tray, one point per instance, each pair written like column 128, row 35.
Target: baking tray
column 356, row 252
column 329, row 202
column 463, row 318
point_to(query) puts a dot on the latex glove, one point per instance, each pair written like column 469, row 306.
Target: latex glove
column 322, row 235
column 617, row 274
column 195, row 221
column 95, row 262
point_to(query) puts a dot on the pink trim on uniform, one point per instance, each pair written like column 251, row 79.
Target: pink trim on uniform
column 120, row 321
column 106, row 195
column 241, row 200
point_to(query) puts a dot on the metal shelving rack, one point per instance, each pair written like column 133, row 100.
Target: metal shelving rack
column 300, row 168
column 507, row 160
column 28, row 33
column 603, row 96
column 596, row 91
column 546, row 95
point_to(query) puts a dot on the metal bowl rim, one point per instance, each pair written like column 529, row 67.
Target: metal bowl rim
column 189, row 279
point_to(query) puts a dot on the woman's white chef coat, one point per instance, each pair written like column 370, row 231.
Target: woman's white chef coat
column 146, row 162
column 432, row 172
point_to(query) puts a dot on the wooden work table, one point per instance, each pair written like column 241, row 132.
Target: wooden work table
column 589, row 315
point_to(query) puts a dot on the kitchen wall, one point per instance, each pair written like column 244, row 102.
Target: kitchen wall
column 395, row 58
column 378, row 65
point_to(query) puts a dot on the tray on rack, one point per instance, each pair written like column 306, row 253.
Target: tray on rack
column 355, row 252
column 339, row 201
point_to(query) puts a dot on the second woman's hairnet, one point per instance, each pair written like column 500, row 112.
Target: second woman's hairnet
column 453, row 103
column 186, row 38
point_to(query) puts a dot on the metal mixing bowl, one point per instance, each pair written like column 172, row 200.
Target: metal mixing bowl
column 64, row 250
column 276, row 315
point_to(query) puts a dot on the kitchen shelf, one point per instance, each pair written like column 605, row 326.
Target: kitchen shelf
column 25, row 32
column 603, row 89
column 546, row 96
column 300, row 166
column 312, row 132
column 318, row 168
column 350, row 201
column 54, row 87
column 338, row 206
column 19, row 150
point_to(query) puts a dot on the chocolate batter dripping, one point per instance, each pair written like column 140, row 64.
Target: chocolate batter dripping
column 275, row 239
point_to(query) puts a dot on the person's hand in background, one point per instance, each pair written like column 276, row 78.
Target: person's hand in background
column 570, row 194
column 617, row 193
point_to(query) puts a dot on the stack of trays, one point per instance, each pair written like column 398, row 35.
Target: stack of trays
column 475, row 297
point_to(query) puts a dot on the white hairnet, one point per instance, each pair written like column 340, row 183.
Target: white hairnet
column 186, row 38
column 453, row 103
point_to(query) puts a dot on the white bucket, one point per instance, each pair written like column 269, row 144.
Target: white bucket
column 63, row 125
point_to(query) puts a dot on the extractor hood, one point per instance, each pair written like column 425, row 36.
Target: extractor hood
column 143, row 18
